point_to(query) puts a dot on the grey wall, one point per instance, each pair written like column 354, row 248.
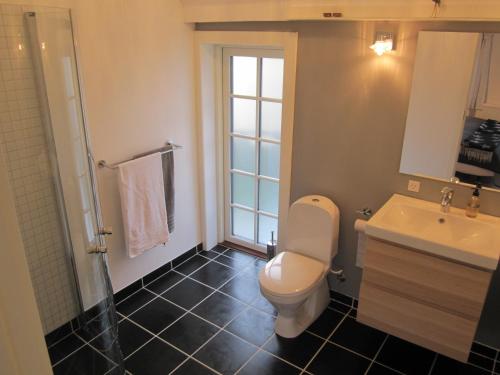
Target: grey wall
column 350, row 114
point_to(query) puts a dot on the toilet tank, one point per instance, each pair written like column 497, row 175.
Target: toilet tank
column 313, row 228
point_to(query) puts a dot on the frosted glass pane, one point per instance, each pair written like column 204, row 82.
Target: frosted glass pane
column 244, row 114
column 244, row 75
column 243, row 154
column 243, row 225
column 269, row 160
column 266, row 225
column 272, row 78
column 270, row 120
column 268, row 196
column 243, row 190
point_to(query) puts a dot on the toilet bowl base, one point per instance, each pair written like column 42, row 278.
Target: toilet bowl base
column 291, row 322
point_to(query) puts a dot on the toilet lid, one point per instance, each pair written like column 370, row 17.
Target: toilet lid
column 290, row 274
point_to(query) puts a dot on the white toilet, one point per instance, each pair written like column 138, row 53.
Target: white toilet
column 295, row 280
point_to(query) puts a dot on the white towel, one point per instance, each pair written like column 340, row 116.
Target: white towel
column 142, row 197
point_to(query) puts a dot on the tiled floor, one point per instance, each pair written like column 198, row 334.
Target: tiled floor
column 207, row 316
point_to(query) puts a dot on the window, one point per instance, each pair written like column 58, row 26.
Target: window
column 252, row 95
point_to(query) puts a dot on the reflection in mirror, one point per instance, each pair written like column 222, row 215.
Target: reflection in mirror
column 452, row 127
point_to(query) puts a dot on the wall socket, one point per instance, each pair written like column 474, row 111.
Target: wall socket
column 414, row 186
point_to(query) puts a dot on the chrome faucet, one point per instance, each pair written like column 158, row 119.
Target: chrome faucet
column 446, row 198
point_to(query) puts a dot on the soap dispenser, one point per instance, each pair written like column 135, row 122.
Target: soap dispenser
column 472, row 208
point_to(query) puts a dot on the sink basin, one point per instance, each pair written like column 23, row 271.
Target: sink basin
column 421, row 225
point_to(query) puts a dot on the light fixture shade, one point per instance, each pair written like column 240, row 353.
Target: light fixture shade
column 384, row 42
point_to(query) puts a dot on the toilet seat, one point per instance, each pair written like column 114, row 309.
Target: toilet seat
column 291, row 275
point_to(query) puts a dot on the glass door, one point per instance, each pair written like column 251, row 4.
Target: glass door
column 252, row 94
column 55, row 70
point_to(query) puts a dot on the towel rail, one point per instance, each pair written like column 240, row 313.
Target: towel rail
column 169, row 147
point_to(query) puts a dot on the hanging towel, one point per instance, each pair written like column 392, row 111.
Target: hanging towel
column 142, row 198
column 167, row 160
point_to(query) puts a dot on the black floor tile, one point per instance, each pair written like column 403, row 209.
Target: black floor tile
column 131, row 337
column 239, row 254
column 191, row 367
column 346, row 300
column 93, row 328
column 255, row 267
column 213, row 274
column 264, row 363
column 83, row 362
column 358, row 337
column 235, row 261
column 225, row 353
column 333, row 357
column 405, row 357
column 192, row 264
column 157, row 315
column 378, row 369
column 339, row 306
column 484, row 350
column 127, row 291
column 166, row 281
column 58, row 334
column 253, row 326
column 243, row 287
column 134, row 302
column 155, row 358
column 187, row 293
column 182, row 258
column 261, row 303
column 64, row 348
column 108, row 343
column 298, row 350
column 481, row 361
column 209, row 254
column 157, row 273
column 448, row 366
column 326, row 323
column 497, row 366
column 189, row 333
column 219, row 309
column 219, row 249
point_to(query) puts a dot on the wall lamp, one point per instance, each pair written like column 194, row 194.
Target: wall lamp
column 384, row 42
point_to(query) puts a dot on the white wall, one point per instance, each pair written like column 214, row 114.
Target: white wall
column 137, row 66
column 136, row 61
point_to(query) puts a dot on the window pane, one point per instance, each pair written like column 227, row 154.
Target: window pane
column 243, row 154
column 272, row 78
column 242, row 223
column 266, row 225
column 244, row 116
column 268, row 196
column 243, row 190
column 244, row 77
column 269, row 159
column 270, row 123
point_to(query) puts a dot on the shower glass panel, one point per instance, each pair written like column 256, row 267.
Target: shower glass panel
column 44, row 143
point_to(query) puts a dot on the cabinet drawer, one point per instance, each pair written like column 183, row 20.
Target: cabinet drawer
column 439, row 283
column 423, row 325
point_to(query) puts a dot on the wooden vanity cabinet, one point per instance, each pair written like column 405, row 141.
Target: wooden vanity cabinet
column 430, row 301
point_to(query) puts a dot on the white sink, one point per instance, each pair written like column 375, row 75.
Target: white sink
column 421, row 225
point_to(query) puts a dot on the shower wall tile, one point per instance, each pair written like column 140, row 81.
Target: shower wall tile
column 23, row 145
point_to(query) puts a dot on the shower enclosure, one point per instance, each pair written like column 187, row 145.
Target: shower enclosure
column 44, row 143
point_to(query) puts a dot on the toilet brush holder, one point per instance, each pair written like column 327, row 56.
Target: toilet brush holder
column 271, row 247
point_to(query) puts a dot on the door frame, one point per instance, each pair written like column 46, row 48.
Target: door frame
column 209, row 116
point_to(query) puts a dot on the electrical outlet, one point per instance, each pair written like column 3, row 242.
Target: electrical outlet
column 414, row 186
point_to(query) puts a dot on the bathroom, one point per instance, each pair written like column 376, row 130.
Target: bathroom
column 142, row 70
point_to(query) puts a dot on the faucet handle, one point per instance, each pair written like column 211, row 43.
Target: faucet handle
column 446, row 190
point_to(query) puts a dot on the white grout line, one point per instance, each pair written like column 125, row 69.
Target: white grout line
column 324, row 343
column 434, row 360
column 376, row 354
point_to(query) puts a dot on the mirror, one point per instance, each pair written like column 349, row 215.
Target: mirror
column 453, row 122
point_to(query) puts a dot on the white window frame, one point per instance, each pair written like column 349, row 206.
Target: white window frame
column 208, row 75
column 227, row 53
